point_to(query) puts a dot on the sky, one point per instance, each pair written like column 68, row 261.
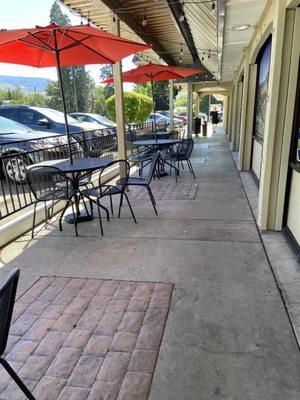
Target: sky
column 17, row 14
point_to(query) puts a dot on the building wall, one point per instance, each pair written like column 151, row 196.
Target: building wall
column 281, row 22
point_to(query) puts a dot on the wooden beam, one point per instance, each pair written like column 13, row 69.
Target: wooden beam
column 130, row 21
column 176, row 9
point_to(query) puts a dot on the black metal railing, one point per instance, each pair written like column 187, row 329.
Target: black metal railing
column 15, row 156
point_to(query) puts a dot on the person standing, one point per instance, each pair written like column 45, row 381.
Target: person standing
column 214, row 118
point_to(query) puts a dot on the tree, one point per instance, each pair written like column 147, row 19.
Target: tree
column 106, row 72
column 161, row 93
column 99, row 103
column 77, row 83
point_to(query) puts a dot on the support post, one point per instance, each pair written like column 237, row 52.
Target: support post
column 171, row 103
column 190, row 110
column 244, row 111
column 118, row 84
column 225, row 114
column 197, row 105
column 271, row 113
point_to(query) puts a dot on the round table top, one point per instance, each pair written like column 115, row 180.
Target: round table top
column 159, row 142
column 79, row 164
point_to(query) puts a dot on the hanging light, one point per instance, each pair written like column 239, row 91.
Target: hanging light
column 208, row 55
column 144, row 20
column 202, row 59
column 180, row 59
column 181, row 17
column 181, row 50
column 213, row 6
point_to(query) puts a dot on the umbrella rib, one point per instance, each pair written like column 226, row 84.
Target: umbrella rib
column 78, row 42
column 35, row 37
column 91, row 49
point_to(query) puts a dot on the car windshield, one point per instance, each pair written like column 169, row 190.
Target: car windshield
column 102, row 119
column 10, row 126
column 54, row 115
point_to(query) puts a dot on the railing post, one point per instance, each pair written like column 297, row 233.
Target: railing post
column 117, row 69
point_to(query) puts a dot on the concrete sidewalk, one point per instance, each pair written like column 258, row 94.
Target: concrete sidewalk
column 228, row 335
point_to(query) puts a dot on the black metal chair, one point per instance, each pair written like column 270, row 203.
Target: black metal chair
column 143, row 157
column 131, row 181
column 106, row 190
column 181, row 153
column 49, row 183
column 7, row 301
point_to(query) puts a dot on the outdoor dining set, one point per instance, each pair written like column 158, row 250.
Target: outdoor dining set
column 85, row 180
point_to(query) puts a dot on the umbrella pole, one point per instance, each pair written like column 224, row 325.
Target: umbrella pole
column 153, row 101
column 62, row 97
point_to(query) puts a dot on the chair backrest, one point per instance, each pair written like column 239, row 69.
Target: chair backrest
column 7, row 300
column 124, row 170
column 152, row 166
column 185, row 148
column 48, row 182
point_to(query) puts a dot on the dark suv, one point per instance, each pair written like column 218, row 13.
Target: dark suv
column 21, row 146
column 92, row 137
column 44, row 119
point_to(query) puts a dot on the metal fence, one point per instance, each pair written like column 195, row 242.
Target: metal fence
column 15, row 156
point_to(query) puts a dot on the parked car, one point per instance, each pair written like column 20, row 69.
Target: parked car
column 45, row 119
column 89, row 135
column 21, row 146
column 166, row 113
column 94, row 118
column 161, row 119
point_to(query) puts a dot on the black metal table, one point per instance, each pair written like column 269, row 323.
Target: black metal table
column 74, row 172
column 158, row 145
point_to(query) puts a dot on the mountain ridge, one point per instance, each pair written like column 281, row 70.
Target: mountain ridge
column 25, row 83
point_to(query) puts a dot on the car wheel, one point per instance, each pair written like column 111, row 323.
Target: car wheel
column 14, row 168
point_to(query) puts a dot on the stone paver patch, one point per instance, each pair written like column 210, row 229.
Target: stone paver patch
column 163, row 191
column 86, row 339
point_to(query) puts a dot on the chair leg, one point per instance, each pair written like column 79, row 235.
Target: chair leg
column 120, row 205
column 18, row 381
column 75, row 218
column 62, row 214
column 133, row 216
column 33, row 221
column 191, row 168
column 182, row 165
column 85, row 207
column 91, row 207
column 100, row 220
column 111, row 205
column 152, row 199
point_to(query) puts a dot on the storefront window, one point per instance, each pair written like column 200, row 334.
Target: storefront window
column 263, row 62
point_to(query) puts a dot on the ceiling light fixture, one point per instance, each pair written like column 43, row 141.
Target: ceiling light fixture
column 239, row 28
column 181, row 17
column 144, row 20
column 181, row 50
column 213, row 6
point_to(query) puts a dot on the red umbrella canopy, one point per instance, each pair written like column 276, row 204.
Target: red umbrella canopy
column 76, row 45
column 156, row 72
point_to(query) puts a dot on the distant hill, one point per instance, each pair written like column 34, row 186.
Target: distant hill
column 26, row 84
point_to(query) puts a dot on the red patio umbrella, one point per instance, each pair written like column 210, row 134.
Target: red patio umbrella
column 156, row 72
column 62, row 46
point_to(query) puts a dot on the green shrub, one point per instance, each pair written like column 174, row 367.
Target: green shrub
column 145, row 108
column 137, row 107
